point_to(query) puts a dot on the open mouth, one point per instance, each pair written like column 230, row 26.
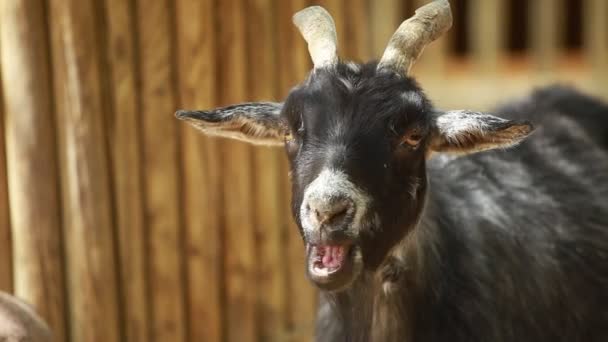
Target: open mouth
column 331, row 266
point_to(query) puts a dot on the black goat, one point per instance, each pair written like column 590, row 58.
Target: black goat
column 409, row 239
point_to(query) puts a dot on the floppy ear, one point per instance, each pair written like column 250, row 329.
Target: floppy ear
column 256, row 122
column 463, row 131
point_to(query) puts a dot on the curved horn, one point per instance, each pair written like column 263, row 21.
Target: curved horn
column 407, row 43
column 319, row 31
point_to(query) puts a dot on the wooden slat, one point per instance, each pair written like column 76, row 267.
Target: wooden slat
column 87, row 207
column 293, row 57
column 31, row 161
column 385, row 17
column 357, row 44
column 160, row 163
column 544, row 32
column 239, row 256
column 124, row 131
column 294, row 63
column 6, row 257
column 457, row 92
column 271, row 310
column 201, row 171
column 595, row 13
column 486, row 18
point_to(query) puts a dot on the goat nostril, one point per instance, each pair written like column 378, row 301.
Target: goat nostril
column 340, row 212
column 332, row 213
column 318, row 215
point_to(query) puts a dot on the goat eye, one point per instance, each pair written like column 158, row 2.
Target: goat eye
column 412, row 138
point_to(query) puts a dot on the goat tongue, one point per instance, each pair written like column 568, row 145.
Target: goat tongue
column 333, row 255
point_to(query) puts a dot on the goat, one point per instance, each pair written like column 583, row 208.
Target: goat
column 20, row 323
column 409, row 232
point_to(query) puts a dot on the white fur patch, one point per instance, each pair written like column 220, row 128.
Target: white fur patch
column 412, row 97
column 347, row 83
column 329, row 184
column 456, row 122
column 388, row 287
column 354, row 67
column 478, row 131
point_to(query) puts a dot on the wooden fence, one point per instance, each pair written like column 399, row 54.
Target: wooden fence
column 119, row 223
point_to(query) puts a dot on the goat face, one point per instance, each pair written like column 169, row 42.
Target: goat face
column 357, row 137
column 356, row 144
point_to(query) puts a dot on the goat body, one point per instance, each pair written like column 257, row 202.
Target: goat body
column 512, row 245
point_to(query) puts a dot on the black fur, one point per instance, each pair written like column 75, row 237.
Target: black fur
column 512, row 245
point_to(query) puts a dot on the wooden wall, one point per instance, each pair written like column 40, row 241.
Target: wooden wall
column 119, row 223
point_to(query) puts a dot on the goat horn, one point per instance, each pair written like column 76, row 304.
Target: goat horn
column 407, row 43
column 319, row 31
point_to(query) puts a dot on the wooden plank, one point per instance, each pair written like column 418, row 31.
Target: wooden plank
column 456, row 92
column 544, row 32
column 201, row 175
column 160, row 162
column 271, row 310
column 485, row 34
column 357, row 44
column 385, row 18
column 6, row 254
column 596, row 41
column 239, row 256
column 31, row 161
column 294, row 63
column 124, row 131
column 87, row 206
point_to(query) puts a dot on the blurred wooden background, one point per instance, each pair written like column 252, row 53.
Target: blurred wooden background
column 121, row 224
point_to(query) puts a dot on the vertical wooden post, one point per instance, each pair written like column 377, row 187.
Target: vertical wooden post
column 160, row 163
column 544, row 32
column 87, row 208
column 31, row 161
column 596, row 41
column 239, row 256
column 124, row 132
column 294, row 64
column 486, row 37
column 6, row 255
column 357, row 44
column 385, row 18
column 270, row 311
column 202, row 195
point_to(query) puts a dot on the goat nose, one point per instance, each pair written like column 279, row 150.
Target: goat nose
column 331, row 211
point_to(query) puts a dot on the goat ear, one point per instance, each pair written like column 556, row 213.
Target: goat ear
column 256, row 122
column 463, row 131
